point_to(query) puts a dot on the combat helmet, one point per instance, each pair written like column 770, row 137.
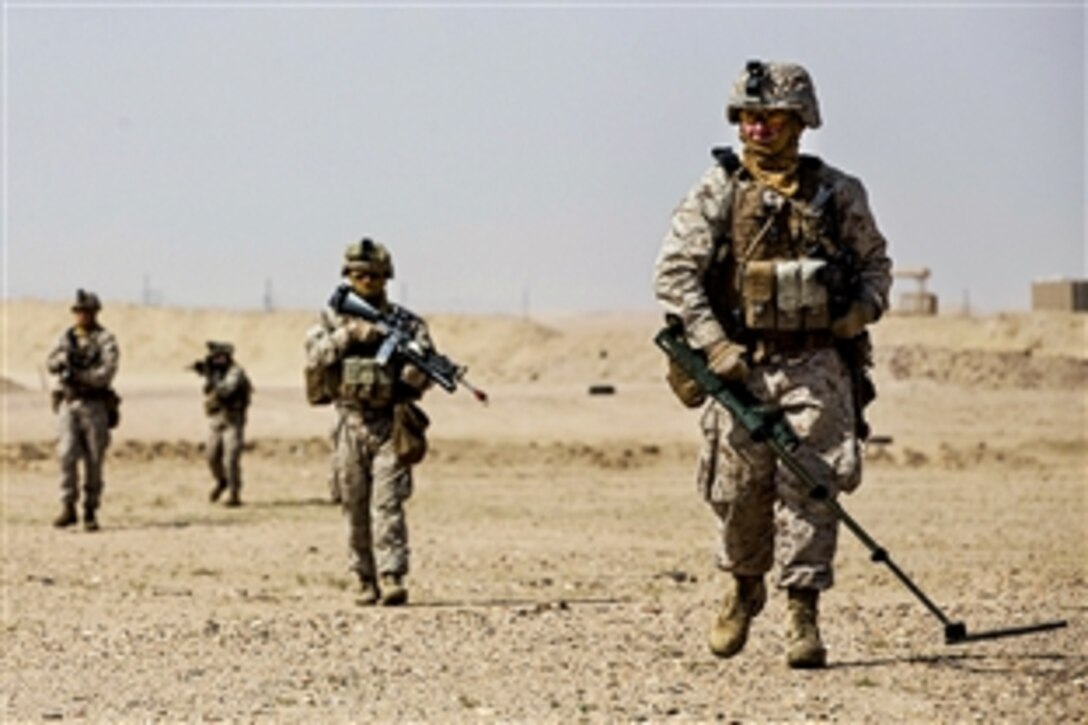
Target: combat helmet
column 771, row 86
column 366, row 255
column 216, row 347
column 86, row 302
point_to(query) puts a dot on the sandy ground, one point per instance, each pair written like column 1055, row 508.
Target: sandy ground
column 562, row 566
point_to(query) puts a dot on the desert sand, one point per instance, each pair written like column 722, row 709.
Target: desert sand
column 562, row 560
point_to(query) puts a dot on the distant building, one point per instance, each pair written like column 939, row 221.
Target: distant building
column 1066, row 295
column 918, row 301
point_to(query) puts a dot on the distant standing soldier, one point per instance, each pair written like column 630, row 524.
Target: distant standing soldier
column 227, row 393
column 84, row 362
column 775, row 267
column 376, row 475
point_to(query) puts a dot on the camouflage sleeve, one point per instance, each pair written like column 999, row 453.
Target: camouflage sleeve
column 58, row 356
column 100, row 375
column 325, row 341
column 230, row 383
column 686, row 254
column 859, row 230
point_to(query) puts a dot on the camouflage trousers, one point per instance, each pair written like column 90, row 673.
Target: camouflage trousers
column 337, row 436
column 226, row 439
column 375, row 485
column 84, row 435
column 764, row 512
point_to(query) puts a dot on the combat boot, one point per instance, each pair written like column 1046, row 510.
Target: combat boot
column 90, row 522
column 235, row 500
column 741, row 605
column 220, row 487
column 67, row 516
column 370, row 592
column 806, row 651
column 394, row 593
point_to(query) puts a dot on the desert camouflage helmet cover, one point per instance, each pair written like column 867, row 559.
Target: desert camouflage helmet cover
column 215, row 347
column 769, row 86
column 86, row 301
column 369, row 256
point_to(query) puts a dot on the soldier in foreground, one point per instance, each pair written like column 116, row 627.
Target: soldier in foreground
column 227, row 392
column 378, row 442
column 775, row 267
column 84, row 363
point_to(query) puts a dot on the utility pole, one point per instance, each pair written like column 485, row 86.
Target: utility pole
column 269, row 303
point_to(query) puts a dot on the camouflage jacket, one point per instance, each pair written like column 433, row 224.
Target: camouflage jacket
column 329, row 345
column 227, row 393
column 84, row 364
column 703, row 219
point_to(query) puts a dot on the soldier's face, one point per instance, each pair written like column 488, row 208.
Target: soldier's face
column 83, row 318
column 366, row 283
column 771, row 130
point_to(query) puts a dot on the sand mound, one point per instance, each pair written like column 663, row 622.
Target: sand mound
column 1022, row 350
column 977, row 368
column 9, row 386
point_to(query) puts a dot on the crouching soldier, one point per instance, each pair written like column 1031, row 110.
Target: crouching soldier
column 382, row 430
column 84, row 363
column 227, row 393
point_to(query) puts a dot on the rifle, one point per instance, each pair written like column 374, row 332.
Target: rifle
column 74, row 359
column 768, row 424
column 400, row 326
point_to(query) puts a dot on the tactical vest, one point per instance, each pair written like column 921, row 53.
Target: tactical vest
column 777, row 257
column 363, row 379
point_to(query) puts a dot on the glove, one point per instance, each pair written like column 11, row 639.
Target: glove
column 854, row 321
column 414, row 378
column 355, row 330
column 726, row 360
column 684, row 387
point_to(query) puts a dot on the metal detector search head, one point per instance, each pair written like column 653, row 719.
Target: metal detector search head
column 956, row 632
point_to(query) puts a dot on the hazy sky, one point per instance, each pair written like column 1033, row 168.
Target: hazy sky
column 512, row 153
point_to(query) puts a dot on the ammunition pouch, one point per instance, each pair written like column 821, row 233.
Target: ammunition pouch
column 409, row 433
column 367, row 381
column 785, row 295
column 113, row 407
column 322, row 384
column 857, row 356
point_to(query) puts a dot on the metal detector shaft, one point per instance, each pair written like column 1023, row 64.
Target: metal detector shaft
column 768, row 425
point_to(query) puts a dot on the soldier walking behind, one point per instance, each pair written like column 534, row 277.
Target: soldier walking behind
column 775, row 267
column 84, row 363
column 375, row 465
column 227, row 392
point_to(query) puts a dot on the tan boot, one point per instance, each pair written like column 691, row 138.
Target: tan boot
column 220, row 487
column 730, row 630
column 370, row 593
column 90, row 520
column 67, row 516
column 394, row 593
column 806, row 651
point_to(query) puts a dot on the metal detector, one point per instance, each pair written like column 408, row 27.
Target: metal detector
column 768, row 424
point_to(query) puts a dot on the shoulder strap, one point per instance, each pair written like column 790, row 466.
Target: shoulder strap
column 728, row 158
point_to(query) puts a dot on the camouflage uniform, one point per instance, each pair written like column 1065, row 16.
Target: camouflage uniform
column 227, row 393
column 810, row 382
column 82, row 399
column 337, row 436
column 736, row 245
column 373, row 482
